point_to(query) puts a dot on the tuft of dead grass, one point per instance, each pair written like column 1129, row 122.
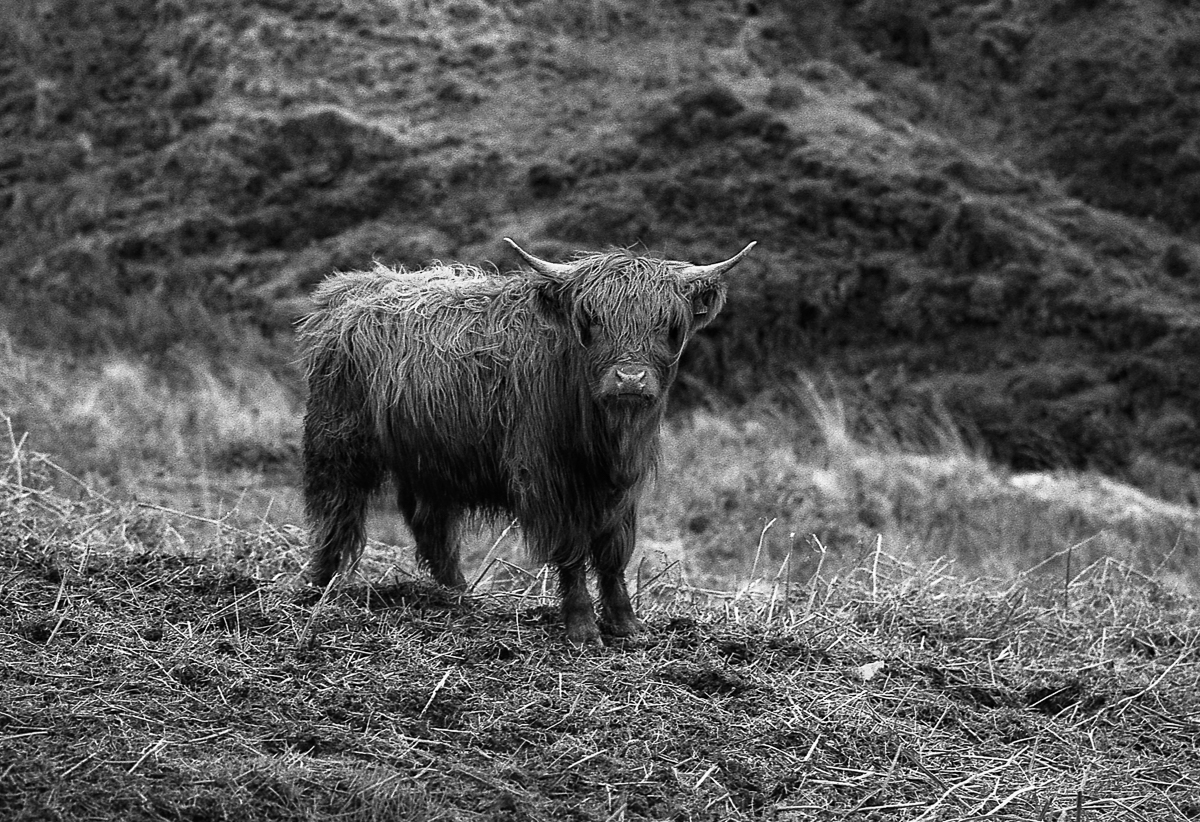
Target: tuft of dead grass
column 152, row 674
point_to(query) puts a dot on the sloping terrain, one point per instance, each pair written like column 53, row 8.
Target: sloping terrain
column 146, row 682
column 927, row 181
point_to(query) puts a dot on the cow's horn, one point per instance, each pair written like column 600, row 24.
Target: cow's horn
column 539, row 265
column 708, row 272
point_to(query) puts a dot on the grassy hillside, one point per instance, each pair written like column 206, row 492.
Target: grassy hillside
column 154, row 676
column 1103, row 94
column 928, row 183
column 176, row 179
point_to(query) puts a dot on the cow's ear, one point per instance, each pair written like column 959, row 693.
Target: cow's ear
column 707, row 301
column 553, row 300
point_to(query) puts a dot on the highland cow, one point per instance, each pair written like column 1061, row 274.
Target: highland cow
column 537, row 394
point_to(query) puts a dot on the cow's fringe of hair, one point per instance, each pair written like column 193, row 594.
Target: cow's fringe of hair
column 629, row 290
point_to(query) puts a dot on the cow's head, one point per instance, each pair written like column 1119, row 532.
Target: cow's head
column 632, row 317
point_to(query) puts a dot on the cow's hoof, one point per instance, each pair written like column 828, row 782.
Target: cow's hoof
column 624, row 626
column 582, row 634
column 452, row 580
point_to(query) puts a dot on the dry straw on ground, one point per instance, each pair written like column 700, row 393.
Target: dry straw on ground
column 156, row 670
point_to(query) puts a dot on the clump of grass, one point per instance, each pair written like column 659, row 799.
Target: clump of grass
column 149, row 675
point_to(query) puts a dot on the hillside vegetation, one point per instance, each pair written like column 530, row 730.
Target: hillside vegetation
column 987, row 205
column 932, row 245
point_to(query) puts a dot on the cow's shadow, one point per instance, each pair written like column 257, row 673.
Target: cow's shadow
column 413, row 594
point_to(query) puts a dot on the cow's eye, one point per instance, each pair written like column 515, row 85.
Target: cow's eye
column 588, row 329
column 676, row 335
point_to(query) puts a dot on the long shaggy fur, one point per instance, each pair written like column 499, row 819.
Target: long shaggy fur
column 484, row 392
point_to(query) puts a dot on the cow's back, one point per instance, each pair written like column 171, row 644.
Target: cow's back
column 446, row 360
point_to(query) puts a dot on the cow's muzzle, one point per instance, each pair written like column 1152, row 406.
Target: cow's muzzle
column 632, row 383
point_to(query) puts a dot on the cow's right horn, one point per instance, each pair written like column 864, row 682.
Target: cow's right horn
column 555, row 270
column 710, row 272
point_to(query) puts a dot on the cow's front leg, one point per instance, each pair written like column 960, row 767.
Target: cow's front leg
column 610, row 554
column 577, row 612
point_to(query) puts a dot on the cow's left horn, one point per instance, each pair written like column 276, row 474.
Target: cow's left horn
column 708, row 272
column 556, row 270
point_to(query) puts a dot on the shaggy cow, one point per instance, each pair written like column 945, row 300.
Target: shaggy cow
column 537, row 394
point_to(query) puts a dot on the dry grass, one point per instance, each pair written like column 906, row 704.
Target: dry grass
column 211, row 439
column 739, row 492
column 115, row 416
column 815, row 487
column 153, row 675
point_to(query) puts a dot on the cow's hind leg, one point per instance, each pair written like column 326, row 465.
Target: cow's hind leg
column 433, row 528
column 610, row 554
column 339, row 477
